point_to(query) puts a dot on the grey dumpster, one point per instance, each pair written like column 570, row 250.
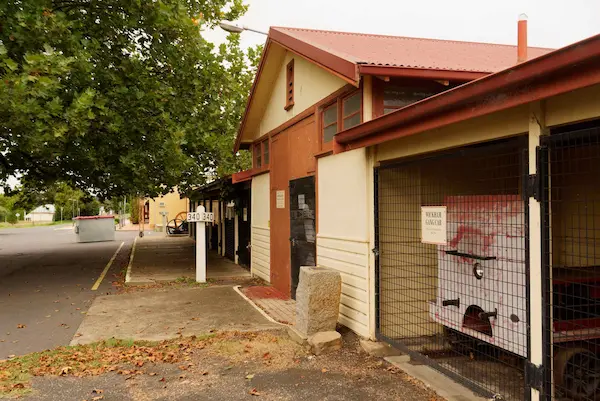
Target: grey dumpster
column 95, row 228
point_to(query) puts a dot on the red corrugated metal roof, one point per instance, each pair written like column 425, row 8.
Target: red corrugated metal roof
column 407, row 52
column 564, row 70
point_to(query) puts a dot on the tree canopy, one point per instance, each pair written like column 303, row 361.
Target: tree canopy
column 119, row 96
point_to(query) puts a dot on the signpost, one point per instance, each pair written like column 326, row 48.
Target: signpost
column 200, row 217
column 164, row 222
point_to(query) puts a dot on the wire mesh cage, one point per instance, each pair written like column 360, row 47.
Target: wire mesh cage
column 460, row 304
column 571, row 255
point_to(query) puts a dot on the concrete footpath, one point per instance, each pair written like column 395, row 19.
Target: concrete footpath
column 157, row 258
column 163, row 314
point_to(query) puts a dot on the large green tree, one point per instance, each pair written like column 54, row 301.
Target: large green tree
column 119, row 96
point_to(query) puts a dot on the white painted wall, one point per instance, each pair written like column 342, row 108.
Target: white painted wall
column 170, row 203
column 260, row 237
column 494, row 126
column 560, row 109
column 311, row 84
column 40, row 216
column 343, row 240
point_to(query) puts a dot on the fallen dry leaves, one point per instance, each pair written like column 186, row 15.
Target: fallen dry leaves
column 124, row 358
column 132, row 358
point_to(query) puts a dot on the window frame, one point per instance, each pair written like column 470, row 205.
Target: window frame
column 289, row 85
column 339, row 104
column 329, row 106
column 359, row 111
column 261, row 152
column 379, row 87
column 257, row 155
column 266, row 152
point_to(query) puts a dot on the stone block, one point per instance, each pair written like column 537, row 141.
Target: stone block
column 296, row 336
column 317, row 300
column 379, row 349
column 324, row 342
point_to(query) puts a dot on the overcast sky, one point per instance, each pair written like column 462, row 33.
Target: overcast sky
column 552, row 23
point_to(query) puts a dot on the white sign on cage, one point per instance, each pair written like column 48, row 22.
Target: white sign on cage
column 433, row 225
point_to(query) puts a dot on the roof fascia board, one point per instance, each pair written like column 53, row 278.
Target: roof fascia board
column 263, row 57
column 392, row 71
column 529, row 93
column 337, row 74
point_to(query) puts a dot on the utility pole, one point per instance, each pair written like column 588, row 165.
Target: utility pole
column 61, row 209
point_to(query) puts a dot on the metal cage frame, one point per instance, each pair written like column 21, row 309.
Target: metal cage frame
column 526, row 185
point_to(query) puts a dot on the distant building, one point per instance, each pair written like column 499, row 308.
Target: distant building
column 41, row 213
column 172, row 203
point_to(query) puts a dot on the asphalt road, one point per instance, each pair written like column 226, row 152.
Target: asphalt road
column 45, row 284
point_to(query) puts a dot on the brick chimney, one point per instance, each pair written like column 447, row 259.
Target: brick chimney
column 522, row 39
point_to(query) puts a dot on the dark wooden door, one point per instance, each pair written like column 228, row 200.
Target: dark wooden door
column 230, row 238
column 302, row 227
column 244, row 228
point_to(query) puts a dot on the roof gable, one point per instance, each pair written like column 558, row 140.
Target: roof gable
column 350, row 55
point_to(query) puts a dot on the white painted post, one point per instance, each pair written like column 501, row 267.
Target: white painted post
column 236, row 239
column 219, row 223
column 223, row 220
column 164, row 223
column 536, row 129
column 200, row 248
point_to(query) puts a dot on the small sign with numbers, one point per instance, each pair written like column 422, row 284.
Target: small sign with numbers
column 193, row 217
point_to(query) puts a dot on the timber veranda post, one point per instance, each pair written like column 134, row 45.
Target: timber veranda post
column 536, row 294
